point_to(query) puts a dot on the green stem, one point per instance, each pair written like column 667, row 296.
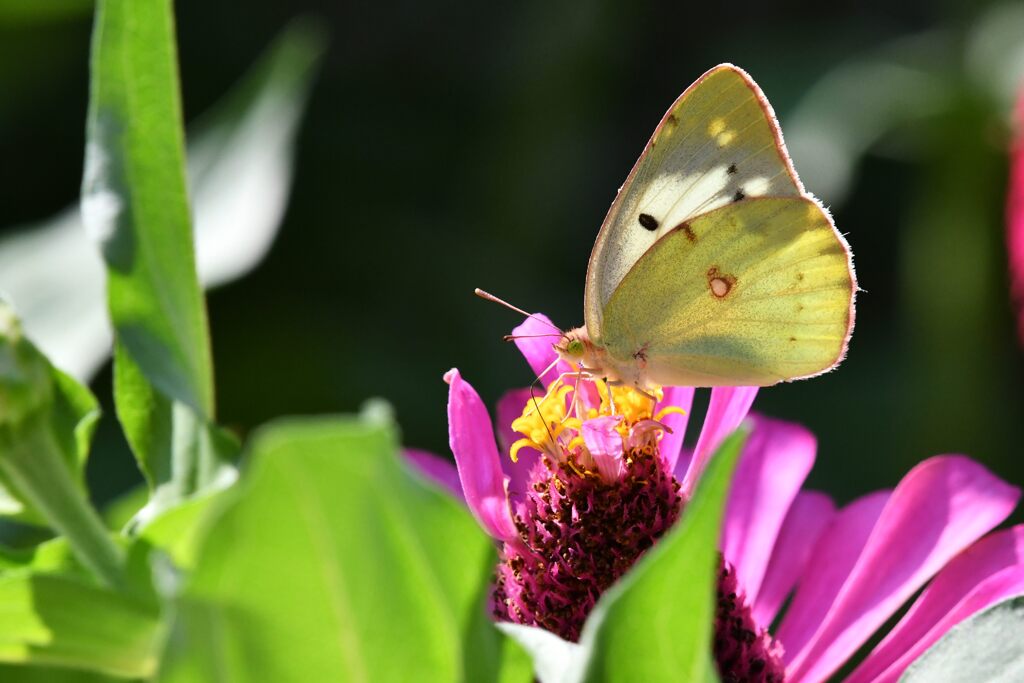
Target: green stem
column 33, row 464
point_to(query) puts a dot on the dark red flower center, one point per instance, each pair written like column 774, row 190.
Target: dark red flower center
column 579, row 533
column 744, row 652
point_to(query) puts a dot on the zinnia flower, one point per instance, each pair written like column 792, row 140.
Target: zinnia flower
column 582, row 491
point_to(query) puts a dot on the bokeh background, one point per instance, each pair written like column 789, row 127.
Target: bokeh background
column 453, row 145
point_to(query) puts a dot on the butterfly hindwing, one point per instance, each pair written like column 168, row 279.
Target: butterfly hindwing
column 750, row 294
column 718, row 144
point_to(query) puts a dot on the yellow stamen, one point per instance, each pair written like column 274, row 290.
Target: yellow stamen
column 631, row 404
column 543, row 420
column 669, row 410
column 513, row 452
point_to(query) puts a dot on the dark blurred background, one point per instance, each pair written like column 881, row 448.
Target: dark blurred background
column 451, row 145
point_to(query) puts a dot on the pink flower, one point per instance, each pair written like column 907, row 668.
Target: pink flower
column 1015, row 214
column 590, row 491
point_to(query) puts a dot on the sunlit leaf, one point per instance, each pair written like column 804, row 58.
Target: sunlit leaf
column 45, row 425
column 49, row 619
column 334, row 563
column 135, row 202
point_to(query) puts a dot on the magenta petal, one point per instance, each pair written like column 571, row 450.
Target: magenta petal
column 672, row 442
column 990, row 570
column 435, row 468
column 510, row 406
column 832, row 558
column 534, row 339
column 941, row 507
column 726, row 410
column 472, row 441
column 605, row 445
column 807, row 517
column 1015, row 216
column 775, row 461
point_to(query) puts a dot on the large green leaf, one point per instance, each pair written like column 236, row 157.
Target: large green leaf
column 334, row 563
column 135, row 202
column 986, row 648
column 56, row 620
column 656, row 623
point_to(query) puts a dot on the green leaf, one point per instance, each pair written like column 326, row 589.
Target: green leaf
column 135, row 203
column 516, row 665
column 240, row 167
column 179, row 453
column 46, row 421
column 555, row 660
column 62, row 621
column 334, row 563
column 986, row 648
column 656, row 623
column 10, row 673
column 665, row 607
column 179, row 530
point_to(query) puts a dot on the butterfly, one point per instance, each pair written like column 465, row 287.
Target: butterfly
column 714, row 267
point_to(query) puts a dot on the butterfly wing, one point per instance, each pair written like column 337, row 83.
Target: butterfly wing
column 719, row 141
column 753, row 293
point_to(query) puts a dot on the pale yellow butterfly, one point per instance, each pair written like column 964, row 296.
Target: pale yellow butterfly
column 714, row 267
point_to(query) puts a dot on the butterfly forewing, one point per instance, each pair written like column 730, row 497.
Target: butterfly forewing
column 752, row 293
column 719, row 144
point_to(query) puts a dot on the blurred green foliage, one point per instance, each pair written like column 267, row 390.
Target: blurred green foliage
column 454, row 145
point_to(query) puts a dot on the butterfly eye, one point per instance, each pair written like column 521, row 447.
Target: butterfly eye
column 574, row 348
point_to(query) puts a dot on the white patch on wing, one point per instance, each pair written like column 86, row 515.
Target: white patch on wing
column 755, row 187
column 670, row 199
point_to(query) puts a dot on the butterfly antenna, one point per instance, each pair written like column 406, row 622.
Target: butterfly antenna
column 537, row 380
column 513, row 337
column 490, row 297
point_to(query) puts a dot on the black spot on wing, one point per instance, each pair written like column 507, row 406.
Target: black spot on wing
column 738, row 196
column 648, row 221
column 731, row 170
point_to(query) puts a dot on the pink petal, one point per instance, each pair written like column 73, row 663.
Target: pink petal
column 832, row 558
column 808, row 516
column 472, row 441
column 672, row 443
column 534, row 339
column 726, row 410
column 605, row 445
column 435, row 468
column 941, row 507
column 510, row 406
column 683, row 464
column 775, row 461
column 987, row 572
column 1015, row 215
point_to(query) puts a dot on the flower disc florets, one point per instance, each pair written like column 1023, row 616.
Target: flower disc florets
column 600, row 496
